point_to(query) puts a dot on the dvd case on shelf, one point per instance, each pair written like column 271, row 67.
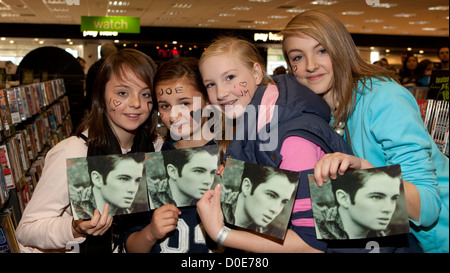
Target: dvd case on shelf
column 33, row 117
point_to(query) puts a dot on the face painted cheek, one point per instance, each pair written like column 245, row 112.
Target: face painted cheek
column 111, row 107
column 238, row 90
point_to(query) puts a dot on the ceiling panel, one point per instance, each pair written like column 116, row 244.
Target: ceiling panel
column 403, row 17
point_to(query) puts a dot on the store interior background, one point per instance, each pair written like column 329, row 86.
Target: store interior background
column 380, row 28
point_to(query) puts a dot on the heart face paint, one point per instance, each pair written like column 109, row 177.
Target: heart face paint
column 129, row 102
column 230, row 83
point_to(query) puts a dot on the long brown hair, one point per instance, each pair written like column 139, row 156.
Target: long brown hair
column 181, row 68
column 118, row 63
column 349, row 68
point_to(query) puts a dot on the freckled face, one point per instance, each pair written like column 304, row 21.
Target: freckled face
column 128, row 102
column 230, row 84
column 175, row 102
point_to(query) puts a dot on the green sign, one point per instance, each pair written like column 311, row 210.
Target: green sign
column 113, row 23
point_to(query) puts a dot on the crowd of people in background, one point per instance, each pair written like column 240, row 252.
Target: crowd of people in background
column 415, row 72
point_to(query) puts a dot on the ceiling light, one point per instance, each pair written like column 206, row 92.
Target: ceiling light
column 429, row 28
column 55, row 2
column 59, row 9
column 419, row 23
column 241, row 8
column 438, row 8
column 119, row 3
column 352, row 12
column 295, row 10
column 182, row 6
column 405, row 15
column 10, row 15
column 277, row 17
column 324, row 2
column 373, row 21
column 172, row 12
column 116, row 11
column 383, row 5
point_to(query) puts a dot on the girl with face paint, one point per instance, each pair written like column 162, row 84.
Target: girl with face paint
column 235, row 77
column 181, row 99
column 379, row 118
column 122, row 120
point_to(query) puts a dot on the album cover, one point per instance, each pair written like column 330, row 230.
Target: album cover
column 360, row 204
column 114, row 179
column 258, row 198
column 181, row 177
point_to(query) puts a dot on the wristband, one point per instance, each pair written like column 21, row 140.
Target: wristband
column 223, row 233
column 73, row 225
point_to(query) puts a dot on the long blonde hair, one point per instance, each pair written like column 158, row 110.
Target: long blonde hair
column 349, row 68
column 242, row 50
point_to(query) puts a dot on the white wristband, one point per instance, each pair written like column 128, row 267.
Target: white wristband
column 223, row 233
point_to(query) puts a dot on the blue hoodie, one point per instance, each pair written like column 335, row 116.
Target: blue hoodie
column 386, row 128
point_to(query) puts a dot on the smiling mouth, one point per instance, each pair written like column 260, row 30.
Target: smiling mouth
column 229, row 103
column 133, row 115
column 315, row 77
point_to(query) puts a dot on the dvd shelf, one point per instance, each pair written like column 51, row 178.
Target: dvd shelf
column 437, row 122
column 33, row 118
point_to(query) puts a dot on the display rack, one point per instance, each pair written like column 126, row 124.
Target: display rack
column 34, row 118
